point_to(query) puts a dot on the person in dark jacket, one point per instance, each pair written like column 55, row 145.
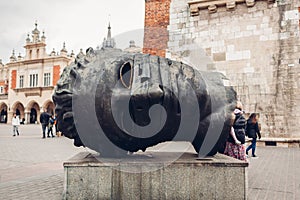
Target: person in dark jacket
column 252, row 131
column 233, row 148
column 50, row 126
column 44, row 120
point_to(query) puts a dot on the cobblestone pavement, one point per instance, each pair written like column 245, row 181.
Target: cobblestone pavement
column 32, row 167
column 275, row 174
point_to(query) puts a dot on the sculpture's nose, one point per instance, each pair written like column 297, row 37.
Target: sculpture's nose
column 142, row 100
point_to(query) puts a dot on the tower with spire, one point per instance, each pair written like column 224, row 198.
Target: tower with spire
column 63, row 51
column 35, row 47
column 13, row 58
column 108, row 42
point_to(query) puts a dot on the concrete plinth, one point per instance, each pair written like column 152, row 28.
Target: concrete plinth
column 150, row 177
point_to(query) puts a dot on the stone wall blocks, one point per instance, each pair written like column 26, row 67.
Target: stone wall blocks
column 258, row 14
column 252, row 9
column 274, row 37
column 284, row 36
column 264, row 25
column 257, row 32
column 251, row 27
column 173, row 16
column 247, row 33
column 202, row 22
column 266, row 19
column 268, row 31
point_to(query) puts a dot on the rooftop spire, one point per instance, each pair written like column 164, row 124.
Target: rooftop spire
column 27, row 39
column 13, row 57
column 72, row 54
column 63, row 51
column 36, row 33
column 53, row 52
column 109, row 42
column 80, row 54
column 35, row 30
column 109, row 32
column 43, row 37
column 64, row 47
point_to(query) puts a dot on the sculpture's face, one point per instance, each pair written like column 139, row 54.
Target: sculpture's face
column 106, row 101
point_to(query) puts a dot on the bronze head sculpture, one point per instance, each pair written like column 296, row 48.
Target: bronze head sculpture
column 113, row 102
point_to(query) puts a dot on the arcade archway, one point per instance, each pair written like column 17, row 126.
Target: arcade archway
column 3, row 113
column 18, row 108
column 33, row 112
column 50, row 107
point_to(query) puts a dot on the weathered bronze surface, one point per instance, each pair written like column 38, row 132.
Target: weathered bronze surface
column 95, row 94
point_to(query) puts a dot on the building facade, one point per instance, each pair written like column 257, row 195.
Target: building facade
column 256, row 44
column 27, row 83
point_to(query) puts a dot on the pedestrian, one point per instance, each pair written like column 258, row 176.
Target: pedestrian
column 50, row 126
column 235, row 143
column 55, row 123
column 44, row 120
column 15, row 123
column 57, row 131
column 252, row 131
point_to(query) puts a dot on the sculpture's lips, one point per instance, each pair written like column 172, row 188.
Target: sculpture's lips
column 63, row 91
column 63, row 98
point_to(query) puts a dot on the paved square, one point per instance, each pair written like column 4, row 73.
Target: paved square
column 32, row 167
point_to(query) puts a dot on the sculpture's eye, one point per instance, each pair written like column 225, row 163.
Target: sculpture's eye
column 126, row 74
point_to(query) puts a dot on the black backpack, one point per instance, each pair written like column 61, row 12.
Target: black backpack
column 239, row 127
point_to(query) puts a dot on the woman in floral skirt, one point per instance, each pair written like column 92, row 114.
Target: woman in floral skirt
column 235, row 143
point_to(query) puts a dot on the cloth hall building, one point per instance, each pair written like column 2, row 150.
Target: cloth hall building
column 27, row 82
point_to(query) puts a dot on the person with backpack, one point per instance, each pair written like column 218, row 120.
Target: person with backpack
column 252, row 131
column 50, row 126
column 235, row 143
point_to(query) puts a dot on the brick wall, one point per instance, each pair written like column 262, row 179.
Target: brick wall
column 56, row 75
column 13, row 79
column 156, row 21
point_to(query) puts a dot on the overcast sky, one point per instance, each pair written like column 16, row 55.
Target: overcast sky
column 79, row 23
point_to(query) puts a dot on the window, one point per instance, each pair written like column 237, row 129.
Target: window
column 1, row 90
column 21, row 81
column 47, row 79
column 33, row 80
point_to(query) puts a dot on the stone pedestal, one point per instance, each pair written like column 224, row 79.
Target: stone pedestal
column 148, row 176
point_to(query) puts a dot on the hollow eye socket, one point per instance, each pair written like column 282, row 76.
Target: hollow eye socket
column 125, row 75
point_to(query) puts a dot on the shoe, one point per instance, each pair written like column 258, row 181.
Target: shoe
column 43, row 137
column 14, row 135
column 254, row 156
column 48, row 136
column 53, row 136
